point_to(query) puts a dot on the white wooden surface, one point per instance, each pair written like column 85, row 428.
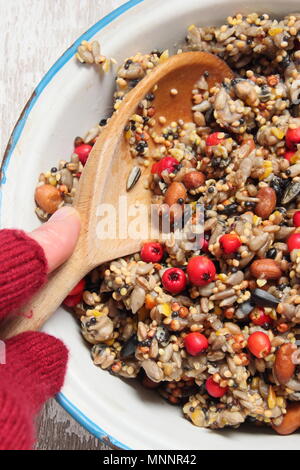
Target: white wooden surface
column 33, row 34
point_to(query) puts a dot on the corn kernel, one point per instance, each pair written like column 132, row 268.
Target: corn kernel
column 295, row 158
column 278, row 133
column 197, row 417
column 271, row 398
column 52, row 181
column 128, row 134
column 96, row 313
column 176, row 153
column 136, row 118
column 165, row 309
column 164, row 56
column 273, row 314
column 268, row 170
column 274, row 31
column 261, row 282
column 280, row 402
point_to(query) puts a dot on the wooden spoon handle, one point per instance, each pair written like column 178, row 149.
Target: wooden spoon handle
column 34, row 314
column 104, row 177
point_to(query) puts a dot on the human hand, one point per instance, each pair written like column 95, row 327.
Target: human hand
column 35, row 362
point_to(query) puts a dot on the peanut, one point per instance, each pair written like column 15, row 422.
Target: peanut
column 291, row 420
column 265, row 269
column 283, row 367
column 48, row 198
column 176, row 194
column 267, row 202
column 193, row 180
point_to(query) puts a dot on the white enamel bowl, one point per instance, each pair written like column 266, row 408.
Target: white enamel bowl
column 69, row 100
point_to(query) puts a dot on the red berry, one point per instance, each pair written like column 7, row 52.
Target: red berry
column 259, row 344
column 195, row 343
column 259, row 317
column 75, row 295
column 292, row 138
column 155, row 168
column 204, row 246
column 294, row 242
column 214, row 139
column 230, row 243
column 166, row 163
column 296, row 219
column 152, row 252
column 72, row 300
column 289, row 154
column 79, row 288
column 214, row 389
column 83, row 152
column 201, row 270
column 174, row 280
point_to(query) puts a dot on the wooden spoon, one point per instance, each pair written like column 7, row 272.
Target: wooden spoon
column 103, row 180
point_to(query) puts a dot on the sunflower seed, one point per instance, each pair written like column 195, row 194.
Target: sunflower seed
column 133, row 177
column 291, row 192
column 263, row 298
column 129, row 347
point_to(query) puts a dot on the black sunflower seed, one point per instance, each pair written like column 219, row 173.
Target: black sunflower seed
column 262, row 298
column 230, row 209
column 129, row 347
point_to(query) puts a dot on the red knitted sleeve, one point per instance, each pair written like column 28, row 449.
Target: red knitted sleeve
column 23, row 269
column 34, row 371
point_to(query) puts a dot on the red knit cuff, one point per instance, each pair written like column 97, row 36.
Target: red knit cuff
column 35, row 366
column 23, row 269
column 16, row 423
column 34, row 371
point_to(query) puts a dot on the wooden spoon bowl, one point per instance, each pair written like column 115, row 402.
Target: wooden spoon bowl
column 103, row 180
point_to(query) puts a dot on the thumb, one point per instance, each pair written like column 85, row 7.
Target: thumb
column 58, row 236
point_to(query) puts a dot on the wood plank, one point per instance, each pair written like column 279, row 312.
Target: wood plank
column 59, row 431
